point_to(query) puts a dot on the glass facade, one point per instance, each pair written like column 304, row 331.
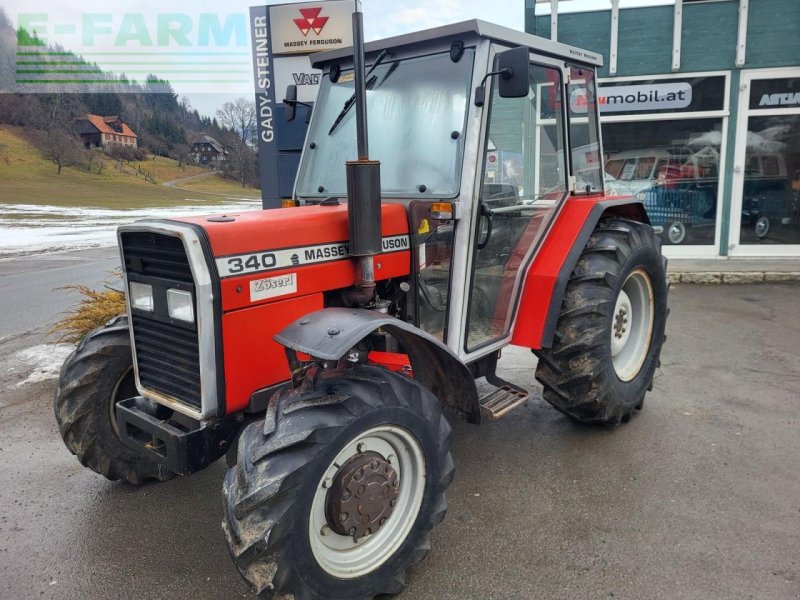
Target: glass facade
column 673, row 166
column 672, row 163
column 770, row 197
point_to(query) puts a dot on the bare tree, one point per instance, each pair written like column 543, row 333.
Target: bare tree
column 60, row 147
column 183, row 154
column 239, row 117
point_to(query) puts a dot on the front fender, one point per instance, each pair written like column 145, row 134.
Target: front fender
column 329, row 333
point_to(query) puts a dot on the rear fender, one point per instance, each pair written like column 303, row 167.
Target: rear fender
column 549, row 273
column 328, row 334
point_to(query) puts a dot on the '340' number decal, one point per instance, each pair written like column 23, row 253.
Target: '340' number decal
column 254, row 262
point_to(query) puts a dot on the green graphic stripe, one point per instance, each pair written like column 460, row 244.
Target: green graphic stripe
column 77, row 72
column 106, row 81
column 158, row 53
column 137, row 63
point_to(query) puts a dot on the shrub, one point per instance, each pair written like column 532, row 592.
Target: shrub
column 92, row 310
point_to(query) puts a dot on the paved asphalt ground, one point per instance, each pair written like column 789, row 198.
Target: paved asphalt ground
column 697, row 497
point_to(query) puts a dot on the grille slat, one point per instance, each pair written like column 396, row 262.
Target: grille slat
column 156, row 255
column 167, row 355
column 160, row 337
column 164, row 353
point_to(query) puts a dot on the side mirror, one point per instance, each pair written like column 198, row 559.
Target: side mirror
column 513, row 67
column 515, row 74
column 291, row 102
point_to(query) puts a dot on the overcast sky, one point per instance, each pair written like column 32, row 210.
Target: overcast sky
column 383, row 18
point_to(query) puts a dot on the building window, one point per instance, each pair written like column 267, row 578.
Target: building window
column 770, row 200
column 669, row 162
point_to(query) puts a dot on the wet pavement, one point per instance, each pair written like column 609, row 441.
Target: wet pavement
column 697, row 497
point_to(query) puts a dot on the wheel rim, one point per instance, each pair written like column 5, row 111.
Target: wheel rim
column 341, row 555
column 762, row 227
column 676, row 233
column 632, row 325
column 124, row 382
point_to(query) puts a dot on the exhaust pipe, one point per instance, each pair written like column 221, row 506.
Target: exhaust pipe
column 363, row 179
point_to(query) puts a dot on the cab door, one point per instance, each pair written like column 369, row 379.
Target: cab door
column 525, row 180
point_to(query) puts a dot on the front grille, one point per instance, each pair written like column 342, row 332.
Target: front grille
column 168, row 358
column 167, row 353
column 156, row 255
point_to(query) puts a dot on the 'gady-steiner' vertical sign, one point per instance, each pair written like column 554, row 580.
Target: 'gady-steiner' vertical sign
column 283, row 37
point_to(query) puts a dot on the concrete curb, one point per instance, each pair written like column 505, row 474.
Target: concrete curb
column 735, row 277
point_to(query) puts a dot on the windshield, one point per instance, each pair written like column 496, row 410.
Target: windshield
column 416, row 109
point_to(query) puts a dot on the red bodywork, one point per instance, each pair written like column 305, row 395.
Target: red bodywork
column 253, row 360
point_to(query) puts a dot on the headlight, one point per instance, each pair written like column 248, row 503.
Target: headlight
column 141, row 296
column 180, row 306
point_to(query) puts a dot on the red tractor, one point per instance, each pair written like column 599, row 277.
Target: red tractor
column 319, row 346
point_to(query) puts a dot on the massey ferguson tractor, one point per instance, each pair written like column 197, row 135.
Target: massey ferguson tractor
column 319, row 346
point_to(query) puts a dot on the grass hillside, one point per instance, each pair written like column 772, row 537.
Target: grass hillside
column 27, row 178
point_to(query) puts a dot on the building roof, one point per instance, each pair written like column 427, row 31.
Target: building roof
column 102, row 124
column 207, row 139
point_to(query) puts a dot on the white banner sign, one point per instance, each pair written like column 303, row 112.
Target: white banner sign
column 311, row 26
column 647, row 97
column 296, row 70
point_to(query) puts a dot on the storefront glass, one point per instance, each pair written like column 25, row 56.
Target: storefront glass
column 674, row 168
column 671, row 164
column 771, row 193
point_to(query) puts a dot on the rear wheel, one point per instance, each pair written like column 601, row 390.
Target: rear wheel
column 335, row 495
column 97, row 375
column 609, row 335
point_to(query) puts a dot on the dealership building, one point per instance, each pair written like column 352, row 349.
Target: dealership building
column 700, row 105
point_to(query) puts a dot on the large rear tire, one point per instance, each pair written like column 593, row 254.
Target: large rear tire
column 609, row 335
column 364, row 424
column 93, row 379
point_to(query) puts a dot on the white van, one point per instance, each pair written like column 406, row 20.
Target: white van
column 637, row 170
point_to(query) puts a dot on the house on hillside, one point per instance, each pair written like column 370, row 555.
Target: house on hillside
column 208, row 151
column 101, row 132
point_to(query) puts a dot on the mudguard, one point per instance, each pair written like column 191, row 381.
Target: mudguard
column 547, row 277
column 328, row 334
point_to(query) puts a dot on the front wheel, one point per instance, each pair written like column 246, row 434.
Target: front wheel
column 335, row 494
column 97, row 375
column 608, row 338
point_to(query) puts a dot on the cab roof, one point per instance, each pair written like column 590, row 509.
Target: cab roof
column 466, row 29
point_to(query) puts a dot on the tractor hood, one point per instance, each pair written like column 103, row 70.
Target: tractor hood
column 257, row 248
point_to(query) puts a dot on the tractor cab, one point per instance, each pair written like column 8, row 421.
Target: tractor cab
column 473, row 125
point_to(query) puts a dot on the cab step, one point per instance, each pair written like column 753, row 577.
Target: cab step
column 501, row 401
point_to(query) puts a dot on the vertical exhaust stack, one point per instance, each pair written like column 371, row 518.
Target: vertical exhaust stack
column 363, row 179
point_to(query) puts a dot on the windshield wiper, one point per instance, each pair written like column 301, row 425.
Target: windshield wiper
column 352, row 100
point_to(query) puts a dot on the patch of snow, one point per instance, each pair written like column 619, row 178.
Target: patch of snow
column 41, row 362
column 26, row 228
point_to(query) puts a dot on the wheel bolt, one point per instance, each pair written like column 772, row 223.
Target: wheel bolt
column 361, row 447
column 392, row 459
column 352, row 531
column 327, row 483
column 325, row 530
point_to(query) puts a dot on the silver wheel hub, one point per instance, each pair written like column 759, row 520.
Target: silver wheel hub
column 676, row 233
column 632, row 325
column 367, row 501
